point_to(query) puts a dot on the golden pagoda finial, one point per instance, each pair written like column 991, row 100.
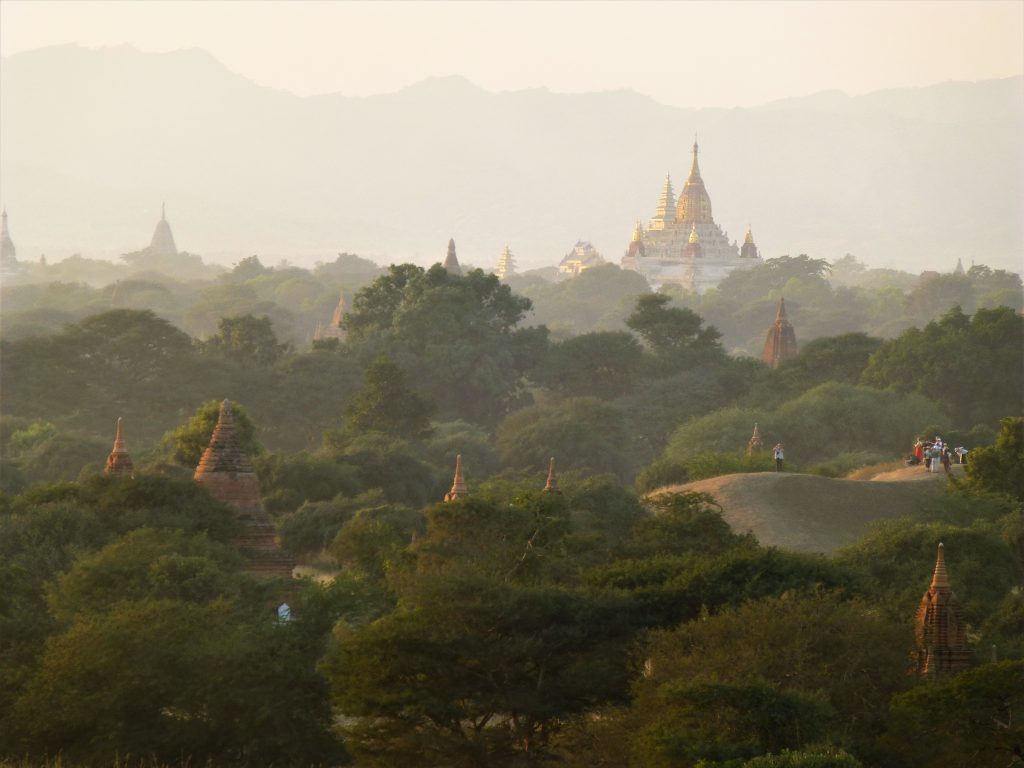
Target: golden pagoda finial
column 638, row 232
column 458, row 483
column 694, row 237
column 695, row 167
column 552, row 483
column 940, row 579
column 749, row 237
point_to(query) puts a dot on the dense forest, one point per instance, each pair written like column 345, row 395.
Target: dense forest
column 599, row 625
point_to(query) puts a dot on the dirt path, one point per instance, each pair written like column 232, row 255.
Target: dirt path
column 812, row 513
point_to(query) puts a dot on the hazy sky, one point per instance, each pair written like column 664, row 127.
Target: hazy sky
column 686, row 54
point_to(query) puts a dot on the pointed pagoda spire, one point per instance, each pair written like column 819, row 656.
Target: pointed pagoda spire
column 749, row 249
column 8, row 253
column 754, row 444
column 694, row 167
column 694, row 237
column 665, row 211
column 451, row 262
column 506, row 263
column 119, row 463
column 940, row 579
column 552, row 484
column 459, row 489
column 940, row 629
column 163, row 211
column 958, row 270
column 339, row 311
column 780, row 343
column 638, row 232
column 162, row 243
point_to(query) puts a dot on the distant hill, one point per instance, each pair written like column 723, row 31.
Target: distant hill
column 811, row 513
column 94, row 140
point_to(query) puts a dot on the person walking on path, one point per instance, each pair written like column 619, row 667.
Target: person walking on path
column 777, row 451
column 946, row 460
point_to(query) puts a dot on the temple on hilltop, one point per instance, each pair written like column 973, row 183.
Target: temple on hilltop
column 8, row 253
column 683, row 245
column 582, row 257
column 162, row 243
column 119, row 463
column 334, row 330
column 227, row 473
column 939, row 628
column 451, row 261
column 506, row 264
column 780, row 344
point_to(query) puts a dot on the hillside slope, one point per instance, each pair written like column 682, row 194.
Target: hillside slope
column 811, row 513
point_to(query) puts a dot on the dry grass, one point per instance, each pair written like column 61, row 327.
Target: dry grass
column 869, row 472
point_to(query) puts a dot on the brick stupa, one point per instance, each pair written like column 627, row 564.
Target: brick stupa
column 119, row 463
column 755, row 445
column 941, row 644
column 451, row 261
column 780, row 344
column 226, row 471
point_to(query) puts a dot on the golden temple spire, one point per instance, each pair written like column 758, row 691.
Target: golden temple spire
column 638, row 232
column 459, row 489
column 694, row 167
column 694, row 237
column 552, row 483
column 940, row 579
column 749, row 237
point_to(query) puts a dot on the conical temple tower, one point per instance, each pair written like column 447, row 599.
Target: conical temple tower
column 755, row 445
column 162, row 243
column 665, row 211
column 459, row 489
column 226, row 471
column 335, row 329
column 780, row 344
column 552, row 484
column 694, row 202
column 941, row 643
column 119, row 463
column 749, row 250
column 451, row 262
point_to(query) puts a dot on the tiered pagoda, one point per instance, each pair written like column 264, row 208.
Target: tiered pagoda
column 780, row 344
column 226, row 471
column 941, row 642
column 582, row 257
column 451, row 262
column 506, row 264
column 683, row 245
column 119, row 463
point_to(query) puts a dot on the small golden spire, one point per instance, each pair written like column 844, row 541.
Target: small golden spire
column 694, row 238
column 638, row 232
column 749, row 239
column 552, row 483
column 940, row 579
column 458, row 484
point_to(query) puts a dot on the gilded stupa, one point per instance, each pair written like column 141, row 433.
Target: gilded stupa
column 683, row 245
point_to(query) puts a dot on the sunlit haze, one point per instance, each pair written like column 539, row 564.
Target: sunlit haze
column 683, row 54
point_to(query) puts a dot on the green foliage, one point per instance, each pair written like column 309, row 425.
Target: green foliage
column 673, row 333
column 813, row 757
column 722, row 722
column 394, row 466
column 660, row 473
column 187, row 443
column 1004, row 628
column 970, row 719
column 601, row 364
column 245, row 339
column 387, row 404
column 581, row 433
column 455, row 336
column 1000, row 468
column 705, row 465
column 974, row 366
column 824, row 422
column 375, row 537
column 898, row 558
column 845, row 463
column 289, row 480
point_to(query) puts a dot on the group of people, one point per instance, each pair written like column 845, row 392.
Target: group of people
column 935, row 453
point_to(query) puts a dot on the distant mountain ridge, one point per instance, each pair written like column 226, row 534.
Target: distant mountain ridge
column 92, row 141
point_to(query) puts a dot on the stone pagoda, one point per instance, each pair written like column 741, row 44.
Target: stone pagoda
column 755, row 445
column 335, row 329
column 552, row 484
column 780, row 344
column 506, row 264
column 941, row 644
column 226, row 471
column 451, row 262
column 459, row 490
column 683, row 245
column 119, row 463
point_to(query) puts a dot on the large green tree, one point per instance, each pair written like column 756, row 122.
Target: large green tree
column 386, row 403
